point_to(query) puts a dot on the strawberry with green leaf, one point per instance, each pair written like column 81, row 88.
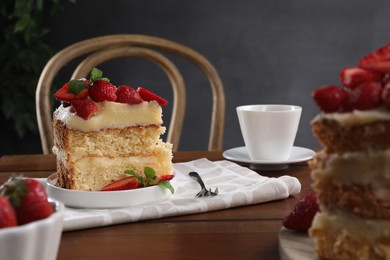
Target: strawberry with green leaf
column 29, row 199
column 136, row 180
column 73, row 90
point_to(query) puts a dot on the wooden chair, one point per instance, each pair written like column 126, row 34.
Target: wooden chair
column 104, row 48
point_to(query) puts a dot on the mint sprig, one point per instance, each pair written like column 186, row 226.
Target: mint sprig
column 150, row 179
column 97, row 74
column 76, row 86
column 167, row 185
column 139, row 177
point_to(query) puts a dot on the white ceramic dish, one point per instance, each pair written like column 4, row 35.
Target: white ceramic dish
column 38, row 240
column 240, row 154
column 107, row 199
column 295, row 246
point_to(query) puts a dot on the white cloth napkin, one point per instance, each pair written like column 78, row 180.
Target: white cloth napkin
column 237, row 185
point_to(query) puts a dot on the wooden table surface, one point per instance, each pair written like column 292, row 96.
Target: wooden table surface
column 249, row 232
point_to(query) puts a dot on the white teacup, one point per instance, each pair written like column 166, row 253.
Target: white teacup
column 269, row 131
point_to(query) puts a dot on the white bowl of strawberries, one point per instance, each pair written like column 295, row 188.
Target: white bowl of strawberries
column 30, row 222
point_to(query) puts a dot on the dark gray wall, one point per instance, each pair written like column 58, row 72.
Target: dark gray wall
column 266, row 51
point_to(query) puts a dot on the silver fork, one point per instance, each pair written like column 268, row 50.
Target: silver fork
column 204, row 192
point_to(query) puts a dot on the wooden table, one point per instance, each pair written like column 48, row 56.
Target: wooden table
column 249, row 232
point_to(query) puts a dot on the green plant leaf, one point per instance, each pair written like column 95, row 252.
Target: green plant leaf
column 22, row 23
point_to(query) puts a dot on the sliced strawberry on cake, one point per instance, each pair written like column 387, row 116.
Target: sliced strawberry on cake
column 378, row 60
column 73, row 90
column 85, row 108
column 353, row 76
column 128, row 95
column 150, row 96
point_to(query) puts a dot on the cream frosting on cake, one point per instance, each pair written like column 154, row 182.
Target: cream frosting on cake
column 356, row 117
column 112, row 115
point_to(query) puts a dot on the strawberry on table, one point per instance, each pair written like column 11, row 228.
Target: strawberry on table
column 102, row 90
column 353, row 76
column 378, row 60
column 150, row 96
column 302, row 215
column 7, row 213
column 85, row 108
column 128, row 95
column 28, row 198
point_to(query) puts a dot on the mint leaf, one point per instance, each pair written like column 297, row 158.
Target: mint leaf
column 167, row 185
column 139, row 177
column 97, row 74
column 149, row 173
column 76, row 86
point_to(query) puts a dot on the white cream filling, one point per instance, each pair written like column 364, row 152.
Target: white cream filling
column 357, row 168
column 356, row 116
column 356, row 227
column 112, row 115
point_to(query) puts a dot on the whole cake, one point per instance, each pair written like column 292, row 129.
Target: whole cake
column 351, row 175
column 101, row 131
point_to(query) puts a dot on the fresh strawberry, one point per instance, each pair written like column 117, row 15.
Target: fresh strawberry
column 68, row 94
column 85, row 108
column 28, row 198
column 378, row 60
column 102, row 90
column 329, row 98
column 385, row 96
column 349, row 101
column 368, row 95
column 351, row 77
column 161, row 178
column 150, row 96
column 7, row 213
column 302, row 215
column 129, row 95
column 126, row 183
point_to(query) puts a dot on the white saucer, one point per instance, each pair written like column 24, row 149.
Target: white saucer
column 106, row 199
column 240, row 154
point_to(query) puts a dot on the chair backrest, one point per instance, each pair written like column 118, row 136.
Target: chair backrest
column 104, row 48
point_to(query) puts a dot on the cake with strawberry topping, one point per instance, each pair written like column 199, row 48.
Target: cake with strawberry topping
column 101, row 131
column 351, row 174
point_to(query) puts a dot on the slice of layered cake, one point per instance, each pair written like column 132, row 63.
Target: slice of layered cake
column 101, row 131
column 351, row 175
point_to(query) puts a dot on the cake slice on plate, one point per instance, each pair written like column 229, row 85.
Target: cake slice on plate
column 101, row 130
